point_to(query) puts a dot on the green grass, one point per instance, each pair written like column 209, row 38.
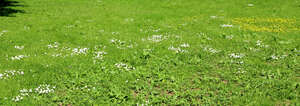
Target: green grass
column 156, row 52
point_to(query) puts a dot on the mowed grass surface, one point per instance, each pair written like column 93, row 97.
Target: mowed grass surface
column 155, row 52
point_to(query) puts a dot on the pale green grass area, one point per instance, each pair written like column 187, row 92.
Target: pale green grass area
column 155, row 52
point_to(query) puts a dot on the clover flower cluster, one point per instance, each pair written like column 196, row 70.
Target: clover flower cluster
column 260, row 44
column 44, row 89
column 185, row 45
column 19, row 47
column 209, row 49
column 120, row 44
column 178, row 49
column 236, row 55
column 23, row 93
column 17, row 98
column 18, row 57
column 157, row 38
column 54, row 45
column 226, row 25
column 124, row 66
column 276, row 57
column 41, row 89
column 79, row 51
column 117, row 42
column 99, row 55
column 10, row 73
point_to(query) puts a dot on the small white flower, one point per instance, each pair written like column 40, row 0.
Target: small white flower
column 23, row 90
column 120, row 44
column 236, row 55
column 209, row 49
column 17, row 98
column 177, row 50
column 156, row 38
column 10, row 73
column 54, row 45
column 185, row 45
column 44, row 89
column 79, row 51
column 19, row 47
column 274, row 57
column 18, row 57
column 124, row 66
column 226, row 25
column 21, row 73
column 100, row 54
column 260, row 44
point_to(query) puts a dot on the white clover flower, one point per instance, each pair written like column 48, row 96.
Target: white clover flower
column 41, row 89
column 17, row 98
column 274, row 57
column 177, row 50
column 226, row 25
column 21, row 73
column 156, row 38
column 209, row 49
column 100, row 54
column 236, row 55
column 79, row 51
column 18, row 57
column 44, row 89
column 23, row 90
column 19, row 47
column 185, row 45
column 117, row 41
column 124, row 66
column 240, row 62
column 120, row 44
column 10, row 73
column 113, row 40
column 54, row 45
column 260, row 44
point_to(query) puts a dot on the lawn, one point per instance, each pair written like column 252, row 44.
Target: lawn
column 150, row 52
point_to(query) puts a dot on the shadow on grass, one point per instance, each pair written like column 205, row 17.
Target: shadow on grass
column 6, row 8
